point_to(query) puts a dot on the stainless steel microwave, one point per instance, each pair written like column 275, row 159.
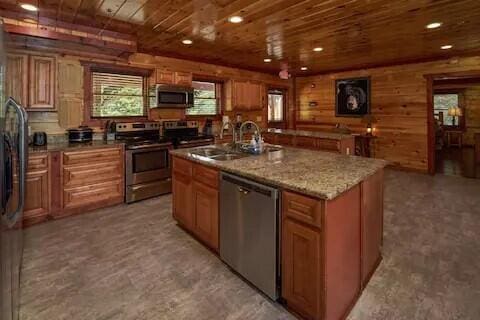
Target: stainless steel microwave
column 168, row 96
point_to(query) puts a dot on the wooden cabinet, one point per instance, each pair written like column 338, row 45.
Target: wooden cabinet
column 205, row 201
column 301, row 268
column 248, row 95
column 41, row 83
column 477, row 147
column 165, row 77
column 182, row 199
column 16, row 78
column 306, row 142
column 344, row 146
column 30, row 80
column 171, row 77
column 183, row 79
column 195, row 200
column 37, row 191
column 90, row 179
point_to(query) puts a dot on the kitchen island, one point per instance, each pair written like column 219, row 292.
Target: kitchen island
column 331, row 217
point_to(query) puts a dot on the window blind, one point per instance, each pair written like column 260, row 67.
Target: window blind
column 117, row 95
column 205, row 98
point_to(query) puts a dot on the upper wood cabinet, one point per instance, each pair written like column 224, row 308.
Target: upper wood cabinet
column 247, row 95
column 170, row 77
column 30, row 80
column 41, row 83
column 17, row 78
column 183, row 78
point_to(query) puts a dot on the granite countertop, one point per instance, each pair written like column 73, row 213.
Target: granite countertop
column 315, row 134
column 65, row 145
column 319, row 174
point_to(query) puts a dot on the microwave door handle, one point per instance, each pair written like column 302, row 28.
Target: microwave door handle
column 22, row 157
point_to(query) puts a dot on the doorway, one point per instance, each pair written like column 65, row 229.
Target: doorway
column 454, row 124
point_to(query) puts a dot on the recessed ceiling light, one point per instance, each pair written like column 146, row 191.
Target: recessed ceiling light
column 433, row 25
column 267, row 60
column 304, row 68
column 446, row 47
column 235, row 19
column 187, row 41
column 28, row 7
column 318, row 49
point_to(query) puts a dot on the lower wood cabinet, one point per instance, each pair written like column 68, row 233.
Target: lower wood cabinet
column 59, row 184
column 344, row 146
column 37, row 190
column 195, row 200
column 301, row 268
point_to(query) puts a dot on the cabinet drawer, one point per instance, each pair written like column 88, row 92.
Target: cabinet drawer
column 328, row 145
column 207, row 176
column 91, row 174
column 183, row 166
column 91, row 194
column 284, row 140
column 302, row 208
column 305, row 142
column 91, row 156
column 37, row 162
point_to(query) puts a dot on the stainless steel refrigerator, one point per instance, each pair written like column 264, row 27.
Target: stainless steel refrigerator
column 13, row 162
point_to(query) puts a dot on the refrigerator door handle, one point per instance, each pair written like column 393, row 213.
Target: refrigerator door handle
column 22, row 158
column 8, row 187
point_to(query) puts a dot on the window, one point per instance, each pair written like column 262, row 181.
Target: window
column 206, row 98
column 117, row 95
column 275, row 105
column 441, row 104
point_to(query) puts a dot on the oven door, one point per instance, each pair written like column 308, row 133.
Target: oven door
column 174, row 97
column 148, row 164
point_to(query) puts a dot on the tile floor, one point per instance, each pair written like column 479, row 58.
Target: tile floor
column 133, row 263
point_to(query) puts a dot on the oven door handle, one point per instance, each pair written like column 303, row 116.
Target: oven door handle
column 196, row 141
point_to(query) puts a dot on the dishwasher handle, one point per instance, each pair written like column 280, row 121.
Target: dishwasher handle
column 245, row 187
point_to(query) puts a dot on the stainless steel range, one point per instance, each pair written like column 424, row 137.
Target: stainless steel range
column 147, row 160
column 185, row 134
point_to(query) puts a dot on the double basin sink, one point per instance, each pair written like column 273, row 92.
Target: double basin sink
column 228, row 152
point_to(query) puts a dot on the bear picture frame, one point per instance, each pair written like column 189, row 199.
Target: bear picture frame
column 352, row 97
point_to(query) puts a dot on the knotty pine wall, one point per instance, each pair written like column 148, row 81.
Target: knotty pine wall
column 69, row 89
column 398, row 101
column 471, row 97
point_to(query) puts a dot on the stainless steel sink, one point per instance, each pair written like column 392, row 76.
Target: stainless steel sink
column 228, row 156
column 208, row 152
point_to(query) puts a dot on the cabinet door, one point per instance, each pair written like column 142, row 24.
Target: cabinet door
column 301, row 275
column 16, row 78
column 165, row 77
column 284, row 140
column 42, row 83
column 205, row 200
column 240, row 95
column 183, row 78
column 182, row 199
column 36, row 197
column 255, row 96
column 305, row 142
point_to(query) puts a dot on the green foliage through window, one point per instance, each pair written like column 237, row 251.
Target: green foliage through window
column 117, row 95
column 205, row 99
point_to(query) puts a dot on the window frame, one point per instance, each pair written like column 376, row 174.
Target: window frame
column 219, row 90
column 461, row 104
column 89, row 68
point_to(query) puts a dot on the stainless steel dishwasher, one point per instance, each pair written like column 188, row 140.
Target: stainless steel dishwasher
column 249, row 231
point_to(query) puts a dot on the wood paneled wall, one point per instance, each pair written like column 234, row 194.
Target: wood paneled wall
column 398, row 101
column 70, row 102
column 471, row 97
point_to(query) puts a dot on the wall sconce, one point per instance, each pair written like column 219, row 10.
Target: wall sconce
column 369, row 129
column 369, row 120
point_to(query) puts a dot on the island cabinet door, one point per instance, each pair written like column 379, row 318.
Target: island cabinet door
column 301, row 269
column 182, row 199
column 205, row 200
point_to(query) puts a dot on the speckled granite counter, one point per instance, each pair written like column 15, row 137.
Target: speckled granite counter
column 65, row 145
column 320, row 174
column 315, row 134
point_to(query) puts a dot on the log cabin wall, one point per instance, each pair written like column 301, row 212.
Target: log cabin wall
column 398, row 102
column 471, row 97
column 69, row 89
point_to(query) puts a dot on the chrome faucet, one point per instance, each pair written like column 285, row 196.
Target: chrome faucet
column 252, row 123
column 234, row 134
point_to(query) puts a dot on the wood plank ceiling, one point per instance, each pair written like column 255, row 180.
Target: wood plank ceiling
column 353, row 33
